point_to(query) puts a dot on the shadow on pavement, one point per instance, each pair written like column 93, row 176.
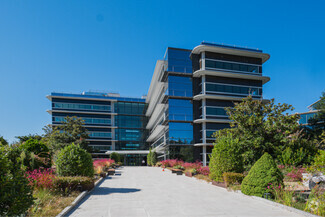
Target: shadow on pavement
column 106, row 190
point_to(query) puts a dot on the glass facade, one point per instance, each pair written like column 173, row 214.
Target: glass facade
column 215, row 111
column 129, row 108
column 179, row 86
column 180, row 110
column 131, row 122
column 178, row 60
column 100, row 134
column 304, row 118
column 180, row 133
column 75, row 106
column 128, row 121
column 101, row 121
column 233, row 89
column 238, row 67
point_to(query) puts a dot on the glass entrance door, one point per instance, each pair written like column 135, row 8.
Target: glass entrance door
column 135, row 159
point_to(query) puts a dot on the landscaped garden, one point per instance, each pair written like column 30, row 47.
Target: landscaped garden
column 266, row 153
column 40, row 176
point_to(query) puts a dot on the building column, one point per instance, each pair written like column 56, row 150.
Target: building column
column 203, row 60
column 113, row 124
column 204, row 152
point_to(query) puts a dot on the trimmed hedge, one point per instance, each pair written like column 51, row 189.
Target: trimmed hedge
column 225, row 157
column 263, row 173
column 233, row 178
column 74, row 161
column 74, row 183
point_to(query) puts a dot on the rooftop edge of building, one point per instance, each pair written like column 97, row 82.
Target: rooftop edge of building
column 96, row 96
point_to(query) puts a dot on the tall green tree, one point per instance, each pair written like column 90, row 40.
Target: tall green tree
column 28, row 137
column 72, row 130
column 3, row 141
column 263, row 127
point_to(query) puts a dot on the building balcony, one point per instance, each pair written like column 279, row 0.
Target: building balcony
column 230, row 74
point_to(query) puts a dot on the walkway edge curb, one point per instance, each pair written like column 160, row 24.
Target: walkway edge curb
column 291, row 209
column 78, row 199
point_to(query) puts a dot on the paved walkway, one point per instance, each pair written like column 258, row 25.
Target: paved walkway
column 149, row 192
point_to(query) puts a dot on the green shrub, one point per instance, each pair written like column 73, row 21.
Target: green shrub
column 225, row 157
column 263, row 173
column 74, row 161
column 153, row 158
column 149, row 158
column 36, row 154
column 35, row 146
column 75, row 183
column 233, row 178
column 319, row 162
column 15, row 193
column 115, row 156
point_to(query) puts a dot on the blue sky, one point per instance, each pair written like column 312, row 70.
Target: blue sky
column 72, row 46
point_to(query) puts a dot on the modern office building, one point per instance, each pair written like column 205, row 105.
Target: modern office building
column 189, row 91
column 113, row 122
column 185, row 102
column 306, row 116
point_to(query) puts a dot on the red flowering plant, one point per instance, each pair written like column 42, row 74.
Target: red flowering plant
column 203, row 170
column 195, row 165
column 295, row 175
column 41, row 178
column 103, row 162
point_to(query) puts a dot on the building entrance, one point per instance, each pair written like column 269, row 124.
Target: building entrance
column 135, row 160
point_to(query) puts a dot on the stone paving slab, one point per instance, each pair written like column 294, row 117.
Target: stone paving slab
column 150, row 192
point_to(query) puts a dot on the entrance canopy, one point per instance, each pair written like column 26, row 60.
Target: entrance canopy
column 129, row 152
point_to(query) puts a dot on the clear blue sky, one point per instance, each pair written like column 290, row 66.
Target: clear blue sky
column 72, row 46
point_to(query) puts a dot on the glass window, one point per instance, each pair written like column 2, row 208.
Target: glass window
column 215, row 64
column 215, row 111
column 228, row 88
column 180, row 110
column 81, row 106
column 100, row 134
column 104, row 121
column 180, row 133
column 179, row 86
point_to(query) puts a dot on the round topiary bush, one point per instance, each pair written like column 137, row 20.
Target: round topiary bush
column 263, row 173
column 74, row 161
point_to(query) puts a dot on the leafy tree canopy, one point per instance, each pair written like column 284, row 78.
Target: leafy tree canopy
column 29, row 136
column 72, row 130
column 3, row 141
column 263, row 127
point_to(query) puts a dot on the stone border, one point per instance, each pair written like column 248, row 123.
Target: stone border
column 78, row 199
column 291, row 209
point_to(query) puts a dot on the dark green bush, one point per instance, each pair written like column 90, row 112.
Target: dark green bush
column 153, row 158
column 263, row 173
column 35, row 146
column 74, row 161
column 233, row 178
column 115, row 156
column 149, row 158
column 225, row 157
column 75, row 183
column 15, row 193
column 35, row 154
